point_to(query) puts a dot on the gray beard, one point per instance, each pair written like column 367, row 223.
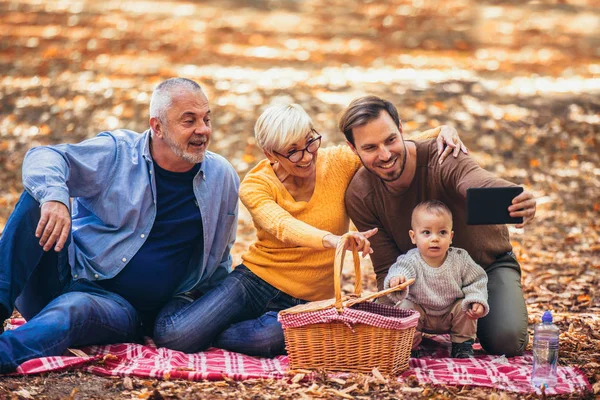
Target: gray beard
column 189, row 157
column 181, row 152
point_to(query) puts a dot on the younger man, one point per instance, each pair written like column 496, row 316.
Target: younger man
column 450, row 289
column 398, row 175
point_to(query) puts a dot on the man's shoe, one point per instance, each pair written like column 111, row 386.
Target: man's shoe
column 462, row 350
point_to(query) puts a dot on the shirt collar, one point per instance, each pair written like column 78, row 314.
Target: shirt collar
column 146, row 151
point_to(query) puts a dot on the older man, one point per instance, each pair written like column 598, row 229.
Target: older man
column 116, row 236
column 399, row 174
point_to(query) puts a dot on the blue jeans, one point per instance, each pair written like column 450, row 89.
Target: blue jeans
column 240, row 315
column 61, row 313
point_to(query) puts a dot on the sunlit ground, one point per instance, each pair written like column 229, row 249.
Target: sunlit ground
column 519, row 80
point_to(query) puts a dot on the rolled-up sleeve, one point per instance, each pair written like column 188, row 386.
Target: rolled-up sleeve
column 57, row 173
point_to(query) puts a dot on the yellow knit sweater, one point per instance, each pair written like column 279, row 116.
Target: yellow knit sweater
column 289, row 252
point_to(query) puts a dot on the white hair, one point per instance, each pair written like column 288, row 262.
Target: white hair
column 162, row 95
column 280, row 126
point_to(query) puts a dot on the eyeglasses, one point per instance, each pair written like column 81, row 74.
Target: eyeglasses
column 312, row 146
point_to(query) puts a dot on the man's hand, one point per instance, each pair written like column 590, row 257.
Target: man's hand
column 475, row 311
column 449, row 136
column 523, row 206
column 54, row 226
column 397, row 280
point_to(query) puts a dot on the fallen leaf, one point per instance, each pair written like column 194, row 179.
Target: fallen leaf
column 584, row 298
column 339, row 381
column 350, row 389
column 73, row 393
column 128, row 383
column 596, row 387
column 109, row 357
column 378, row 377
column 24, row 393
column 79, row 353
column 412, row 389
column 341, row 394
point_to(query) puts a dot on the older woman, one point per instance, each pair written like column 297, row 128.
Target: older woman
column 296, row 199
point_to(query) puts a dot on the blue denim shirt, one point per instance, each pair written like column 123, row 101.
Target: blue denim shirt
column 111, row 181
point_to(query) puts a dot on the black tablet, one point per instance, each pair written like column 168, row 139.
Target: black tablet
column 489, row 206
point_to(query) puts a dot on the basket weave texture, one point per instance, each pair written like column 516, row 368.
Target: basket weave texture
column 349, row 334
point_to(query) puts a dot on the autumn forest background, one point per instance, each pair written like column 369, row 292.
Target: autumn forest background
column 520, row 81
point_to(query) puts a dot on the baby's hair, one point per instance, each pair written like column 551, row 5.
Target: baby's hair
column 431, row 206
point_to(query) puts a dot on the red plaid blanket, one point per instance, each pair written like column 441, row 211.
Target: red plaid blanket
column 434, row 366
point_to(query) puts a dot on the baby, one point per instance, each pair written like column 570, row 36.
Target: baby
column 450, row 289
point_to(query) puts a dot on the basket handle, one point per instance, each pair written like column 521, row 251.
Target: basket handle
column 338, row 265
column 381, row 293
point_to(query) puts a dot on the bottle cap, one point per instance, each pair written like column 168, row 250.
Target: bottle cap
column 547, row 317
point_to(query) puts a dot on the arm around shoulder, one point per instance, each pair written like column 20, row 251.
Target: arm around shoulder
column 425, row 135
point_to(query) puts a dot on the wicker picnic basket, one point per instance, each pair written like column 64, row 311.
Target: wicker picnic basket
column 350, row 333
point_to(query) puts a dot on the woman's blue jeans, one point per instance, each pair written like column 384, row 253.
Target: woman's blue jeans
column 240, row 315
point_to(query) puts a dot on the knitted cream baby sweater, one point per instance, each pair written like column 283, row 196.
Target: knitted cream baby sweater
column 436, row 289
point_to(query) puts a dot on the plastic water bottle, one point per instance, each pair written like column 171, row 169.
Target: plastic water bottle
column 545, row 352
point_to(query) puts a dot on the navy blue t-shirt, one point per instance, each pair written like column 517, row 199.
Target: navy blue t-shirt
column 149, row 280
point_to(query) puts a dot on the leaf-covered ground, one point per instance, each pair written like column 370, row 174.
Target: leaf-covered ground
column 519, row 80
